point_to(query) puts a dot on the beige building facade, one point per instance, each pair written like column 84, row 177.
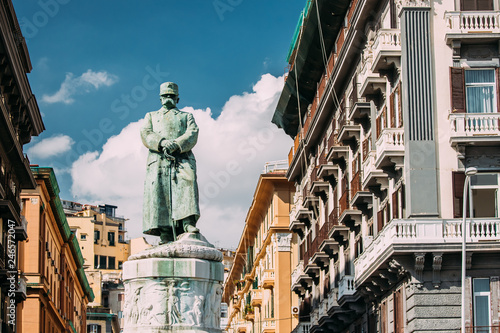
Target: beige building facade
column 391, row 104
column 103, row 243
column 57, row 291
column 257, row 288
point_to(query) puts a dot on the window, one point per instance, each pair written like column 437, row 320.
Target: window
column 485, row 196
column 93, row 328
column 83, row 236
column 111, row 262
column 102, row 262
column 481, row 304
column 120, row 239
column 476, row 5
column 480, row 91
column 96, row 261
column 120, row 264
column 111, row 238
column 97, row 236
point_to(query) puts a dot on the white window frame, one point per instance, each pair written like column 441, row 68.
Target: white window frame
column 493, row 84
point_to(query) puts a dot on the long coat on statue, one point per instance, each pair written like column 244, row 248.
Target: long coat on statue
column 170, row 188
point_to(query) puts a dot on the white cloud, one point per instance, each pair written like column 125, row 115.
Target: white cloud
column 78, row 85
column 50, row 147
column 230, row 154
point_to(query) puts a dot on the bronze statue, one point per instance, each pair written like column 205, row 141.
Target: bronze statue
column 171, row 200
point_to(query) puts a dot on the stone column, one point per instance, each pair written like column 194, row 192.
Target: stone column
column 176, row 287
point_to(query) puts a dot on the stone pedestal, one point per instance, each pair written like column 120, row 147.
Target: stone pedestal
column 175, row 287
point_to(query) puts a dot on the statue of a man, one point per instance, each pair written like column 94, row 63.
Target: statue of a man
column 171, row 204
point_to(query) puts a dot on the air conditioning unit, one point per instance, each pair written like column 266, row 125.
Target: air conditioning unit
column 295, row 310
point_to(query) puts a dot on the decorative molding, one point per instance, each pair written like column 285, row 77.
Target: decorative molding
column 436, row 269
column 419, row 268
column 282, row 241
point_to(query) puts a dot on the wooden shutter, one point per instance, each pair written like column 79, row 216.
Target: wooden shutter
column 379, row 125
column 457, row 84
column 380, row 220
column 398, row 312
column 395, row 205
column 497, row 72
column 392, row 109
column 400, row 109
column 383, row 317
column 458, row 179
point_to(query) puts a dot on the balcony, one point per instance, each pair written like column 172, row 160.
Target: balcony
column 269, row 325
column 390, row 149
column 346, row 287
column 256, row 297
column 339, row 233
column 386, row 50
column 268, row 278
column 241, row 326
column 472, row 25
column 300, row 281
column 475, row 128
column 360, row 112
column 349, row 132
column 328, row 171
column 359, row 196
column 21, row 231
column 20, row 293
column 302, row 327
column 373, row 178
column 422, row 235
column 371, row 83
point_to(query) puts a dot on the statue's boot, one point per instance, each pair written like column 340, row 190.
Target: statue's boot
column 189, row 225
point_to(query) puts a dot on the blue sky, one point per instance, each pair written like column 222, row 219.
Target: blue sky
column 97, row 66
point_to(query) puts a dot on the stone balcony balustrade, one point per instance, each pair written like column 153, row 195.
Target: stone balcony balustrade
column 390, row 148
column 346, row 286
column 473, row 128
column 302, row 327
column 386, row 50
column 269, row 325
column 256, row 297
column 398, row 234
column 268, row 278
column 371, row 176
column 472, row 24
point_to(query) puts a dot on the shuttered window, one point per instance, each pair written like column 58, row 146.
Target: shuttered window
column 398, row 312
column 475, row 90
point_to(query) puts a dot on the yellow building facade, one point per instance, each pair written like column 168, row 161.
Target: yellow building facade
column 57, row 290
column 101, row 234
column 257, row 289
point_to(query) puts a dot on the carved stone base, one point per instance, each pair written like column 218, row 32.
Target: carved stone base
column 180, row 292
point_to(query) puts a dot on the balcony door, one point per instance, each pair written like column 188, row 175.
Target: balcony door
column 485, row 195
column 476, row 5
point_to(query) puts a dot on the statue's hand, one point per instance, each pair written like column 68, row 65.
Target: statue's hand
column 169, row 146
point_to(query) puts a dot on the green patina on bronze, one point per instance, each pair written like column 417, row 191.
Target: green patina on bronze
column 171, row 200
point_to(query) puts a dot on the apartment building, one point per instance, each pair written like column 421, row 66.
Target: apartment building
column 257, row 289
column 101, row 234
column 20, row 119
column 389, row 103
column 56, row 289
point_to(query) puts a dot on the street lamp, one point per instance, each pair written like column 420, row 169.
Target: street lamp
column 468, row 173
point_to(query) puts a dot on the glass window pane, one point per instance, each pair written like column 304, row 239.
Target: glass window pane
column 480, row 99
column 484, row 179
column 480, row 76
column 482, row 311
column 481, row 285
